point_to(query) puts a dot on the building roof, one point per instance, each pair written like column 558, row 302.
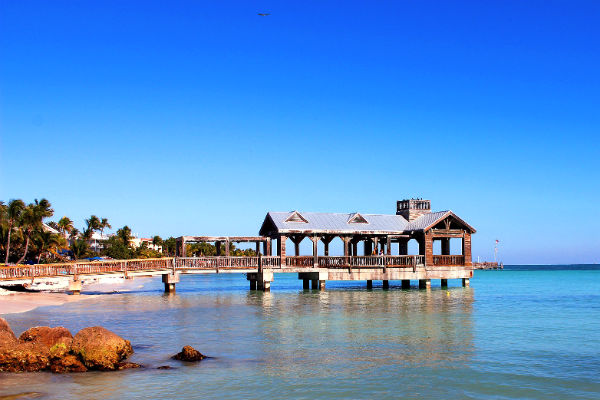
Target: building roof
column 351, row 223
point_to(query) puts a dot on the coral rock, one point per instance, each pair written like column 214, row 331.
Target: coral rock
column 188, row 353
column 100, row 348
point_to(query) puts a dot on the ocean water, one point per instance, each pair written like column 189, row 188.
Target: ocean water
column 521, row 333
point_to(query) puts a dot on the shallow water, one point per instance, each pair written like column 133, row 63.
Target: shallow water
column 514, row 334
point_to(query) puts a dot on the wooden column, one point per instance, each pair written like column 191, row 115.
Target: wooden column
column 257, row 248
column 315, row 242
column 281, row 248
column 466, row 249
column 297, row 239
column 326, row 240
column 376, row 244
column 445, row 246
column 389, row 246
column 227, row 248
column 368, row 247
column 346, row 241
column 218, row 247
column 428, row 243
column 403, row 247
column 355, row 249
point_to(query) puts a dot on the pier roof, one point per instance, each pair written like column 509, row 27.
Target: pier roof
column 350, row 223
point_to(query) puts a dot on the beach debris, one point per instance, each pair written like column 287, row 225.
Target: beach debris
column 44, row 348
column 188, row 353
column 165, row 367
column 100, row 348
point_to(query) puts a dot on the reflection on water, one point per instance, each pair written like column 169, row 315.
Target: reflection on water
column 345, row 342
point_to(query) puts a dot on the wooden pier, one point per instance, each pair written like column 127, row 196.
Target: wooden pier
column 377, row 234
column 260, row 271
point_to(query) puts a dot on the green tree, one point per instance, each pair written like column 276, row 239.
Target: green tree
column 157, row 241
column 80, row 248
column 115, row 248
column 14, row 212
column 65, row 225
column 125, row 235
column 32, row 219
column 103, row 225
column 47, row 241
column 92, row 224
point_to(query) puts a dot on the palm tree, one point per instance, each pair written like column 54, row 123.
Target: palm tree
column 48, row 241
column 103, row 225
column 93, row 224
column 79, row 248
column 31, row 220
column 13, row 214
column 125, row 235
column 65, row 225
column 157, row 241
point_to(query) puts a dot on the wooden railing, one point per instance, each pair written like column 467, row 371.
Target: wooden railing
column 371, row 261
column 215, row 263
column 83, row 268
column 449, row 260
column 183, row 263
column 300, row 261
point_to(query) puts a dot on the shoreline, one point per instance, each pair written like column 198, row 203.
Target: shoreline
column 20, row 302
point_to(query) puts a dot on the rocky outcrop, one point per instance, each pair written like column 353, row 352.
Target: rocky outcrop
column 55, row 349
column 188, row 353
column 100, row 349
column 46, row 335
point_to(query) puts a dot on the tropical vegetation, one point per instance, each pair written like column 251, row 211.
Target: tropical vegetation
column 27, row 236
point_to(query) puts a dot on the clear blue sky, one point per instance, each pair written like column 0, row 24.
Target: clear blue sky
column 199, row 117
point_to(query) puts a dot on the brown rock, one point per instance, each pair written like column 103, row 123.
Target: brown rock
column 46, row 335
column 7, row 337
column 67, row 363
column 16, row 357
column 27, row 357
column 100, row 348
column 188, row 353
column 5, row 328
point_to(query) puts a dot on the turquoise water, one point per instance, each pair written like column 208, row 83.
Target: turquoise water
column 514, row 334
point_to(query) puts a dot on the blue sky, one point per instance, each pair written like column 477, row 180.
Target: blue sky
column 199, row 117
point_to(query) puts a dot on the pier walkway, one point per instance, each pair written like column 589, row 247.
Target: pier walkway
column 259, row 270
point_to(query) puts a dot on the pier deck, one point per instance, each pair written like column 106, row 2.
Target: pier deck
column 259, row 270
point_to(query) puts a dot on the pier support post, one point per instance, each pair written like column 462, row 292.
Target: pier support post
column 466, row 282
column 263, row 279
column 315, row 284
column 75, row 287
column 444, row 282
column 386, row 284
column 424, row 283
column 405, row 284
column 305, row 284
column 170, row 280
column 369, row 284
column 252, row 284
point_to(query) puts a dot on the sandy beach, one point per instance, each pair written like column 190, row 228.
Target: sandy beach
column 18, row 302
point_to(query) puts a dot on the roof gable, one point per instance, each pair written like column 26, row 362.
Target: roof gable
column 428, row 221
column 356, row 218
column 296, row 217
